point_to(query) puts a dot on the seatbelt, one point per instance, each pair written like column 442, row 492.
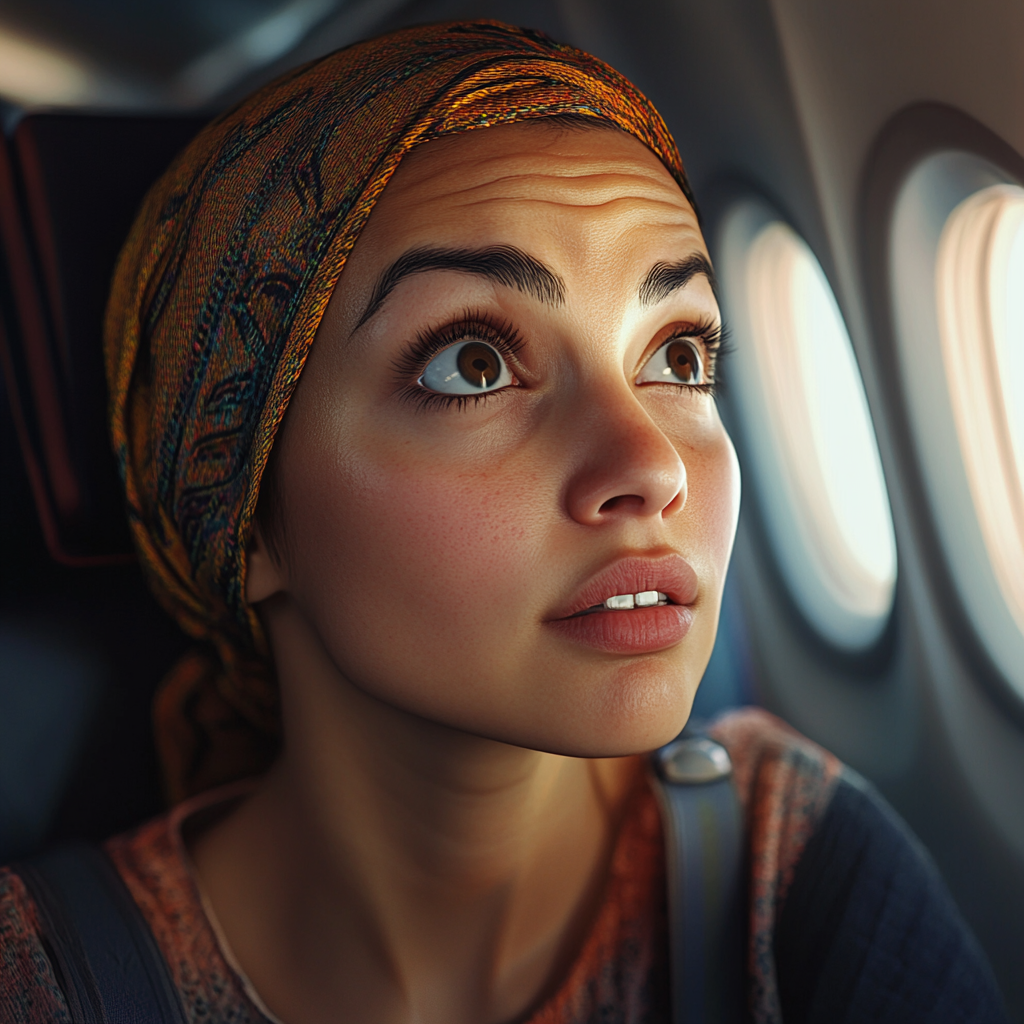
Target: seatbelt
column 108, row 963
column 706, row 872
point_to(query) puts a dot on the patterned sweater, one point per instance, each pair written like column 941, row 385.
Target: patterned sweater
column 849, row 920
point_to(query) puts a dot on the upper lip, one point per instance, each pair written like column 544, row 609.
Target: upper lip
column 671, row 574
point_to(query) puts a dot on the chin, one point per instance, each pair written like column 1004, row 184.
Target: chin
column 642, row 707
column 633, row 709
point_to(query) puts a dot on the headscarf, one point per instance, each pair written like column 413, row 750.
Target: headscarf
column 218, row 294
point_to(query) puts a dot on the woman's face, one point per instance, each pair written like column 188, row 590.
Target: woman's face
column 505, row 421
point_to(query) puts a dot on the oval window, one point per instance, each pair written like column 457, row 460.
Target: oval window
column 980, row 293
column 957, row 272
column 808, row 429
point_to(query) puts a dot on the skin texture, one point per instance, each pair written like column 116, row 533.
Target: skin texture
column 431, row 845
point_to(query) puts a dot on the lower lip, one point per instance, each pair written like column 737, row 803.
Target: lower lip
column 639, row 631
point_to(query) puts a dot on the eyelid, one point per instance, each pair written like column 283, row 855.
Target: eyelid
column 500, row 334
column 708, row 334
column 411, row 364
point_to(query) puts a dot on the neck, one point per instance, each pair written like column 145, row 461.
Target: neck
column 402, row 869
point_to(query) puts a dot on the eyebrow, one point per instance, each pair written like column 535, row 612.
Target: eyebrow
column 504, row 264
column 665, row 278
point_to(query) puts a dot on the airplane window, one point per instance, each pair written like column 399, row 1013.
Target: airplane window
column 808, row 429
column 981, row 320
column 957, row 272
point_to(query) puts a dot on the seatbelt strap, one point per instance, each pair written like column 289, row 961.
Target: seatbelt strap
column 110, row 968
column 706, row 873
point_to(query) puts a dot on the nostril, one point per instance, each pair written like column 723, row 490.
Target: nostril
column 622, row 503
column 619, row 482
column 675, row 504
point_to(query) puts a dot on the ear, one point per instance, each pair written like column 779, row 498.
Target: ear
column 263, row 576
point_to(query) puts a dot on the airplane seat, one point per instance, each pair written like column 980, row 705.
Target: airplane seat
column 82, row 642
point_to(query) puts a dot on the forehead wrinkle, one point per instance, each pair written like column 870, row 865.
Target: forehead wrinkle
column 593, row 204
column 639, row 187
column 574, row 173
column 541, row 164
column 622, row 186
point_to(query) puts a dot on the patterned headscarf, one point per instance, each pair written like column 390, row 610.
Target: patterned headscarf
column 219, row 292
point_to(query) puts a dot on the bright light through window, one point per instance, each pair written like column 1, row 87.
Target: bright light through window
column 844, row 442
column 1010, row 339
column 809, row 429
column 980, row 292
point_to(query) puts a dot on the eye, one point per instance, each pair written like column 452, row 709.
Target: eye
column 678, row 361
column 466, row 368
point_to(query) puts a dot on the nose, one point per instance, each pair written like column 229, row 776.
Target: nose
column 628, row 467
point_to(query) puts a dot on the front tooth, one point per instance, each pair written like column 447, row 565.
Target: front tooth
column 620, row 602
column 647, row 598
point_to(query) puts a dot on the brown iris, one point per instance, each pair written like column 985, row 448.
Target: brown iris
column 478, row 364
column 684, row 359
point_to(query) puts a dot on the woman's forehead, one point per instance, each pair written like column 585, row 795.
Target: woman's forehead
column 531, row 147
column 564, row 191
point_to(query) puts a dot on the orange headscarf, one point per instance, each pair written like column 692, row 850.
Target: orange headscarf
column 219, row 292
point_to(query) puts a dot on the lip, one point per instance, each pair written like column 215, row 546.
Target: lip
column 639, row 630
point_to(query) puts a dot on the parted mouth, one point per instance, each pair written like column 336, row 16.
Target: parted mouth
column 627, row 602
column 634, row 583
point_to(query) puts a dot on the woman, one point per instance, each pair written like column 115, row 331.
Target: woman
column 479, row 574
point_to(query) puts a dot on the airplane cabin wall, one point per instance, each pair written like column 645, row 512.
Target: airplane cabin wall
column 934, row 731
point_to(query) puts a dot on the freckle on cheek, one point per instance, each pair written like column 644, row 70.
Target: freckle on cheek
column 435, row 534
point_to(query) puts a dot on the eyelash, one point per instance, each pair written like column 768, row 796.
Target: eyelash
column 500, row 334
column 508, row 341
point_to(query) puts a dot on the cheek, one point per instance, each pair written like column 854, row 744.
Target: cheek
column 708, row 522
column 716, row 500
column 402, row 557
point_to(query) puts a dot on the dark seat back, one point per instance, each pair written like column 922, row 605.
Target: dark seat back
column 83, row 644
column 74, row 184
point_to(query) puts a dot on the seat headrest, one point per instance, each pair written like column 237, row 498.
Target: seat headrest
column 70, row 186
